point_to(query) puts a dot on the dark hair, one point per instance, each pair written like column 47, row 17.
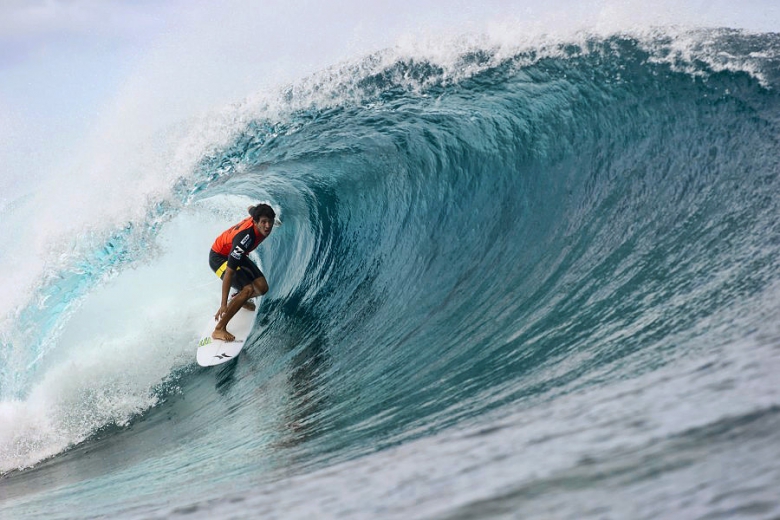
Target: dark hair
column 261, row 210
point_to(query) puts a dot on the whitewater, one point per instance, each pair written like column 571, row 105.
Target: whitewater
column 519, row 274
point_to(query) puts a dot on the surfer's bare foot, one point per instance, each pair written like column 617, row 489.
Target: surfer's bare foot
column 222, row 334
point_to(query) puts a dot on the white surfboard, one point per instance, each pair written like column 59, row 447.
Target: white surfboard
column 215, row 351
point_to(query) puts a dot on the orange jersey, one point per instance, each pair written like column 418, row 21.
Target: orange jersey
column 237, row 241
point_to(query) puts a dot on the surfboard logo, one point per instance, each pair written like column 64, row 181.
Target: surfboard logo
column 223, row 356
column 205, row 341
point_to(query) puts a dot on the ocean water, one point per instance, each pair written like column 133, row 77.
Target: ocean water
column 525, row 281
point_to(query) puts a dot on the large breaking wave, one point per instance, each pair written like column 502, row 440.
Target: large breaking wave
column 495, row 228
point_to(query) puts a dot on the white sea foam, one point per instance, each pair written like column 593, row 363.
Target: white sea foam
column 121, row 344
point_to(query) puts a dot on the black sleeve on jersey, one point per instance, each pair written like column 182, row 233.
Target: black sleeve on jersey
column 242, row 243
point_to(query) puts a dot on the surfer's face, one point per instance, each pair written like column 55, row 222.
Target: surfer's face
column 265, row 225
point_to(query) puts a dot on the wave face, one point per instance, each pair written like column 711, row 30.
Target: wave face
column 541, row 282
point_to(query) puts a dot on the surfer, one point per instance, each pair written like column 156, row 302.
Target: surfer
column 229, row 259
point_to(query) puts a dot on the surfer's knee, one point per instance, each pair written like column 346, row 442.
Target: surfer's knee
column 261, row 286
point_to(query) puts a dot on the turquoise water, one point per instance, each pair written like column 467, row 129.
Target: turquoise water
column 533, row 285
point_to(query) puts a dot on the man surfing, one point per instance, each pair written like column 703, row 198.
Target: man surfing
column 229, row 259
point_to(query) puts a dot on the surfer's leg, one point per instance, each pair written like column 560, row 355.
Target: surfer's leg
column 260, row 285
column 245, row 273
column 259, row 288
column 220, row 331
column 248, row 305
column 252, row 275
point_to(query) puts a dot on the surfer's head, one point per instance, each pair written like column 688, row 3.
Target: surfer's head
column 262, row 210
column 264, row 217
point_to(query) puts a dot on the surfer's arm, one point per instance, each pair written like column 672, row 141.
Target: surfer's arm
column 226, row 281
column 241, row 242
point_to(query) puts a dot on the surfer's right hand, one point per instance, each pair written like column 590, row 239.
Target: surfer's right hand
column 222, row 310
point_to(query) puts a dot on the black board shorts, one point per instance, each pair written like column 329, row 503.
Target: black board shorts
column 246, row 273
